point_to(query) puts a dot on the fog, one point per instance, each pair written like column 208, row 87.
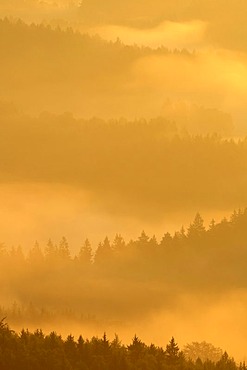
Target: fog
column 139, row 81
column 36, row 212
column 216, row 317
column 212, row 324
column 188, row 35
column 124, row 118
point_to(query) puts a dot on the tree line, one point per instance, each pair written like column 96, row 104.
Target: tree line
column 36, row 350
column 57, row 55
column 196, row 235
column 116, row 159
column 137, row 268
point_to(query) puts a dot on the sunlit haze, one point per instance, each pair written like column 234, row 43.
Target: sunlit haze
column 123, row 173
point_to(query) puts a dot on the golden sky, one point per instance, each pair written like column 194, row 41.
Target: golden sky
column 113, row 117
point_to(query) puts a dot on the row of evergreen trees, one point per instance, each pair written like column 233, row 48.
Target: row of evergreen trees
column 29, row 351
column 195, row 234
column 197, row 261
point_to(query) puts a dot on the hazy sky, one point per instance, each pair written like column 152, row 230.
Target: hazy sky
column 213, row 76
column 183, row 60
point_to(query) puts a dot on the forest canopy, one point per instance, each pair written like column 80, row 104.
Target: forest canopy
column 146, row 166
column 138, row 266
column 29, row 350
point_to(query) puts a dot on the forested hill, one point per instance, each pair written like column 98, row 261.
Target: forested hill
column 28, row 351
column 195, row 261
column 40, row 54
column 45, row 68
column 115, row 160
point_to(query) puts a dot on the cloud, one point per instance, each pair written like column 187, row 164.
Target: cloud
column 216, row 79
column 170, row 34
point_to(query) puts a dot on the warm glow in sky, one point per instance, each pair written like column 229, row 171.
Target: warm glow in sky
column 118, row 117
